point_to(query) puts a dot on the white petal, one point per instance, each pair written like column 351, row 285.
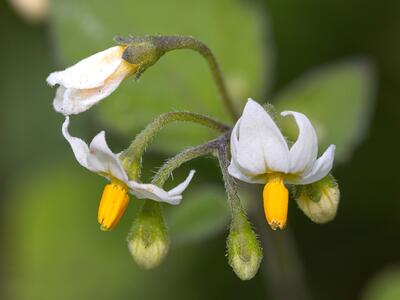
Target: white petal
column 303, row 153
column 321, row 168
column 182, row 186
column 90, row 72
column 58, row 101
column 261, row 147
column 235, row 171
column 153, row 192
column 103, row 160
column 97, row 157
column 76, row 101
column 234, row 149
column 79, row 147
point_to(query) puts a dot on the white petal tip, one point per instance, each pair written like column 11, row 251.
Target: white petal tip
column 290, row 112
column 52, row 79
column 175, row 201
column 191, row 174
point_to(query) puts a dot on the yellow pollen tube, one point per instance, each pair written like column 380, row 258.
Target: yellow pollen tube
column 276, row 197
column 113, row 204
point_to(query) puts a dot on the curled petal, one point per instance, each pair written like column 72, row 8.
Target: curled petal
column 97, row 157
column 261, row 147
column 321, row 168
column 304, row 151
column 79, row 147
column 182, row 186
column 153, row 192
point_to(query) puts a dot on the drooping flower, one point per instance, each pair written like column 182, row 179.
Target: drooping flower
column 260, row 154
column 98, row 158
column 89, row 81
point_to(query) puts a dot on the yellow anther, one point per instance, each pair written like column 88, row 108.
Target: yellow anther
column 276, row 198
column 112, row 206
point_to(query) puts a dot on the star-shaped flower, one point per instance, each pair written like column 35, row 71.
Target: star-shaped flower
column 98, row 158
column 260, row 154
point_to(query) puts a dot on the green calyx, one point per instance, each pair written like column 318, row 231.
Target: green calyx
column 148, row 240
column 314, row 190
column 244, row 251
column 141, row 51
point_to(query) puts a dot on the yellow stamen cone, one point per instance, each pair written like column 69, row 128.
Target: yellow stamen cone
column 276, row 197
column 113, row 204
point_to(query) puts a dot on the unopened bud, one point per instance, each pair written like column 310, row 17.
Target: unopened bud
column 148, row 241
column 244, row 251
column 319, row 201
column 141, row 51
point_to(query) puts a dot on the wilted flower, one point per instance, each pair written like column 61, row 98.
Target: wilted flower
column 260, row 154
column 90, row 80
column 97, row 157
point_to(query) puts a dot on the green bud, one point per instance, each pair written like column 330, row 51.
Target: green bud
column 148, row 240
column 141, row 51
column 244, row 251
column 319, row 201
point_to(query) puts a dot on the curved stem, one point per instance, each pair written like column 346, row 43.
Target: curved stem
column 174, row 42
column 175, row 162
column 237, row 210
column 132, row 156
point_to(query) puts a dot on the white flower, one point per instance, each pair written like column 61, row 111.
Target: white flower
column 90, row 80
column 260, row 154
column 97, row 157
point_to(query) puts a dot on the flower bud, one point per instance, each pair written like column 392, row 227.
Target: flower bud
column 244, row 251
column 148, row 241
column 319, row 201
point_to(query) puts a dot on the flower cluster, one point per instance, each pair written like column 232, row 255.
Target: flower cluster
column 260, row 154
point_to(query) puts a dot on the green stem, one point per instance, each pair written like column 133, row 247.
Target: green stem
column 132, row 157
column 237, row 211
column 174, row 42
column 175, row 162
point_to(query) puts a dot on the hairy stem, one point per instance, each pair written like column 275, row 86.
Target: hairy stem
column 174, row 42
column 132, row 156
column 237, row 210
column 175, row 162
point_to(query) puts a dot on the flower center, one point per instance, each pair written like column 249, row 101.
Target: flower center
column 113, row 204
column 276, row 198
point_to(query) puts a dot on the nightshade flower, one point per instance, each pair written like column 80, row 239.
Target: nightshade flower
column 97, row 157
column 90, row 80
column 260, row 154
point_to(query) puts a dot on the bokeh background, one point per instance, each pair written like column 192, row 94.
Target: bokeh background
column 337, row 61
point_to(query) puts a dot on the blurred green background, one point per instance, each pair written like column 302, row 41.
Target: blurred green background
column 337, row 61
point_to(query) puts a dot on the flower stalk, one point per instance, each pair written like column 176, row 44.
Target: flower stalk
column 163, row 44
column 132, row 156
column 175, row 162
column 244, row 251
